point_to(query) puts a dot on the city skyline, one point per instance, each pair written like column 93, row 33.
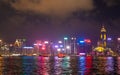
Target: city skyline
column 82, row 19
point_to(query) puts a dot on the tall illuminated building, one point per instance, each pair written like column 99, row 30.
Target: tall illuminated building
column 103, row 36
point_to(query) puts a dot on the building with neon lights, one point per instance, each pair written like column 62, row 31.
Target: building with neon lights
column 103, row 36
column 102, row 47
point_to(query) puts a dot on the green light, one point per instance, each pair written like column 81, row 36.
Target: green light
column 65, row 38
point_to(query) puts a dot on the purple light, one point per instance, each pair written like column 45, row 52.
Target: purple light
column 37, row 44
column 109, row 39
column 28, row 47
column 61, row 45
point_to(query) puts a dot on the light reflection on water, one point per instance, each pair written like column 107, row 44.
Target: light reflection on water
column 74, row 65
column 109, row 68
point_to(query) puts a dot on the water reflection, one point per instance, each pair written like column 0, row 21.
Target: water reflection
column 27, row 65
column 118, row 65
column 88, row 65
column 43, row 66
column 66, row 68
column 82, row 63
column 11, row 66
column 109, row 68
column 57, row 66
column 1, row 65
column 99, row 64
column 74, row 65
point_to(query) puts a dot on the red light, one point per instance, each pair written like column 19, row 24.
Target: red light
column 88, row 65
column 43, row 48
column 87, row 40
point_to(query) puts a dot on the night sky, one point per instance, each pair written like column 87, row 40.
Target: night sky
column 54, row 19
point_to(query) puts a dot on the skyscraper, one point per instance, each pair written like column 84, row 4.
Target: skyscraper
column 103, row 36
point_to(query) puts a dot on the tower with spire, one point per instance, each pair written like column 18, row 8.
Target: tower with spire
column 103, row 36
column 102, row 48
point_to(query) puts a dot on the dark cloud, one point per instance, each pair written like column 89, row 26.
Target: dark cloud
column 33, row 19
column 52, row 7
column 111, row 3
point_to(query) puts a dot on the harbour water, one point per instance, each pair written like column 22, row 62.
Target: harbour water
column 69, row 65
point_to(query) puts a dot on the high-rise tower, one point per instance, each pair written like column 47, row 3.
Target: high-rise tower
column 103, row 36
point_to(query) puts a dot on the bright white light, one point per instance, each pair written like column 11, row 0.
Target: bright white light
column 56, row 46
column 35, row 44
column 68, row 57
column 59, row 41
column 15, row 54
column 34, row 54
column 46, row 42
column 58, row 49
column 28, row 47
column 68, row 47
column 16, row 40
column 81, row 53
column 73, row 38
column 118, row 39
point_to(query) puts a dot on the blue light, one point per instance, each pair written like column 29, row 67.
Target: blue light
column 61, row 45
column 81, row 42
column 82, row 58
